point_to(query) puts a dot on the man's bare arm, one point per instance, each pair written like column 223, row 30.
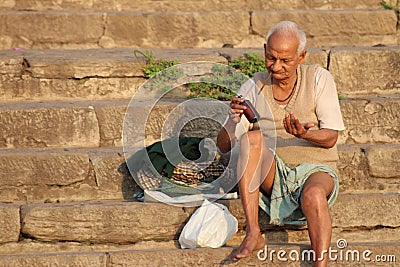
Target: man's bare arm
column 226, row 138
column 322, row 137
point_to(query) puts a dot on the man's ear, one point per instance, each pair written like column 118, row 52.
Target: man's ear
column 302, row 56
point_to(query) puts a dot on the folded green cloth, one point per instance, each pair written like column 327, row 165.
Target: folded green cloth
column 154, row 157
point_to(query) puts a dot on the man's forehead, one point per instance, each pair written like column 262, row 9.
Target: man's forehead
column 282, row 44
column 281, row 52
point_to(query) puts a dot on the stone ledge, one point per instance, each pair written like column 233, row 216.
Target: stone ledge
column 73, row 175
column 218, row 257
column 48, row 125
column 116, row 73
column 272, row 236
column 9, row 223
column 354, row 27
column 368, row 168
column 113, row 221
column 184, row 5
column 371, row 120
column 89, row 259
column 91, row 174
column 366, row 70
column 206, row 29
column 368, row 120
column 197, row 257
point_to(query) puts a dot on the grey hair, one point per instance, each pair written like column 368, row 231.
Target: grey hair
column 288, row 27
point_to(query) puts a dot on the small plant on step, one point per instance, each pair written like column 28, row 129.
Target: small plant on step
column 153, row 66
column 389, row 5
column 160, row 69
column 248, row 64
column 223, row 84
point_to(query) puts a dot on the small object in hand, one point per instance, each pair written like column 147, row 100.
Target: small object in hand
column 250, row 112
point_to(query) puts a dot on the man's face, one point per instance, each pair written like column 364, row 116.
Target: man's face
column 281, row 58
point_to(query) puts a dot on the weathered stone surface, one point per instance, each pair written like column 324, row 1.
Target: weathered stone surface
column 11, row 63
column 111, row 120
column 183, row 5
column 56, row 175
column 87, row 88
column 91, row 175
column 116, row 74
column 92, row 259
column 165, row 29
column 193, row 257
column 353, row 171
column 47, row 167
column 21, row 87
column 371, row 120
column 345, row 247
column 215, row 257
column 355, row 175
column 366, row 210
column 366, row 70
column 86, row 63
column 110, row 222
column 32, row 175
column 90, row 73
column 300, row 236
column 59, row 74
column 274, row 236
column 351, row 254
column 384, row 161
column 50, row 29
column 103, row 222
column 105, row 166
column 29, row 246
column 363, row 254
column 48, row 125
column 358, row 210
column 247, row 26
column 156, row 122
column 335, row 28
column 368, row 120
column 9, row 223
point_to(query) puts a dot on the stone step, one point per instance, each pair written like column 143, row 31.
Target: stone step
column 184, row 5
column 101, row 74
column 354, row 216
column 194, row 29
column 368, row 120
column 73, row 175
column 382, row 254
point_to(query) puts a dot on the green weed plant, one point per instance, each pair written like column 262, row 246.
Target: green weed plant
column 223, row 84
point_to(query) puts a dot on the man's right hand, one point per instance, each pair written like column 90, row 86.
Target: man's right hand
column 236, row 109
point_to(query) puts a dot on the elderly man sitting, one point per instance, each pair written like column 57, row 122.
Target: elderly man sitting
column 299, row 108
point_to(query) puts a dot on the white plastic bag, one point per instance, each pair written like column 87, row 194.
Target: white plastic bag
column 211, row 225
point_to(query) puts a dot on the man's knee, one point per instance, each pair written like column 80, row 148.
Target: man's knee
column 252, row 139
column 314, row 196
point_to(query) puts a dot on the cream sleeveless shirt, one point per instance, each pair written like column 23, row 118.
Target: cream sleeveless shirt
column 314, row 100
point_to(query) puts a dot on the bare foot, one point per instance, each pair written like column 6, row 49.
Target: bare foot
column 251, row 242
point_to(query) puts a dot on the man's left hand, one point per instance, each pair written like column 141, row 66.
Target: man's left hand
column 294, row 127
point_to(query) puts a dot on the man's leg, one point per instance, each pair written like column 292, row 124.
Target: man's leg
column 315, row 207
column 254, row 166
